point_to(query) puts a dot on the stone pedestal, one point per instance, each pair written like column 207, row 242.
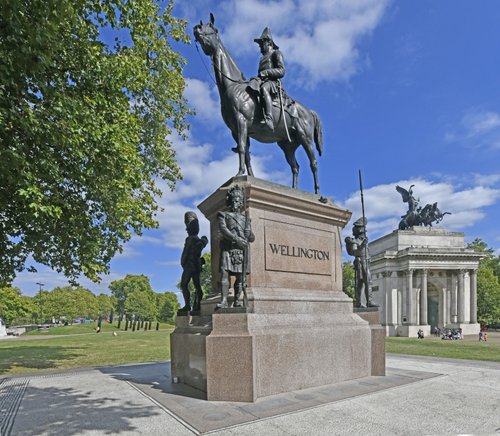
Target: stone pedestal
column 299, row 329
column 372, row 315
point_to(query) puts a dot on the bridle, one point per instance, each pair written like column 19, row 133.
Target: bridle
column 215, row 66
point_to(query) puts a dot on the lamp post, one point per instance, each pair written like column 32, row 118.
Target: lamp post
column 40, row 301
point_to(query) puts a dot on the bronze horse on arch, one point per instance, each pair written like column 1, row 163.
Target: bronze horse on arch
column 293, row 126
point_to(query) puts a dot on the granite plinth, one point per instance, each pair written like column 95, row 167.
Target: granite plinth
column 372, row 315
column 299, row 329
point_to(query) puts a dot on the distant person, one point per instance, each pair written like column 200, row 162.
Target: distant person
column 480, row 335
column 485, row 336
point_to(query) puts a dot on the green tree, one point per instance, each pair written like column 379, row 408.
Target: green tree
column 104, row 305
column 69, row 302
column 125, row 293
column 84, row 128
column 142, row 305
column 348, row 278
column 488, row 284
column 168, row 305
column 488, row 296
column 12, row 304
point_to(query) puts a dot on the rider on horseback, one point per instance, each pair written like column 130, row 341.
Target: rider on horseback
column 271, row 70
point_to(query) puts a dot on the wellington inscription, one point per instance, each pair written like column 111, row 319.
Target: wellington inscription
column 290, row 250
column 309, row 253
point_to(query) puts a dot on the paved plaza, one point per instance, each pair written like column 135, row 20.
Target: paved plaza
column 419, row 395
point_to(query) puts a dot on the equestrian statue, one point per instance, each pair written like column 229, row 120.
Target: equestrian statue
column 259, row 108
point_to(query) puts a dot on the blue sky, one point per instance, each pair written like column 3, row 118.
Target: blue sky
column 408, row 92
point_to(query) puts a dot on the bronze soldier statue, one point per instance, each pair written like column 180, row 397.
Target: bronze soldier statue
column 236, row 233
column 271, row 70
column 358, row 247
column 192, row 262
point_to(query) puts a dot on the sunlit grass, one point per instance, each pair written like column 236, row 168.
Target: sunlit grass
column 28, row 355
column 460, row 349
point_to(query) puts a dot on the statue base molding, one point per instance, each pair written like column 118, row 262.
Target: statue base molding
column 299, row 329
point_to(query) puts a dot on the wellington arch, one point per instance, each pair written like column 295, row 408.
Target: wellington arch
column 423, row 278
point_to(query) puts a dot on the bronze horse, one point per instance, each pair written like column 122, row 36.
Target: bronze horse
column 242, row 112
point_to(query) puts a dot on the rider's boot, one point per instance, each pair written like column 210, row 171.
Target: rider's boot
column 268, row 109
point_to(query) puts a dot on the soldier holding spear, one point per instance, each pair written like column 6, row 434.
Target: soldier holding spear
column 358, row 247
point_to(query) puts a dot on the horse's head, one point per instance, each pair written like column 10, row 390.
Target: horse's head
column 207, row 36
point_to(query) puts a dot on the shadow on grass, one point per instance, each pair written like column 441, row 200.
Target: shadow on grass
column 76, row 411
column 34, row 357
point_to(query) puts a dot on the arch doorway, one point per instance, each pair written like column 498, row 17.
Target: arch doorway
column 432, row 305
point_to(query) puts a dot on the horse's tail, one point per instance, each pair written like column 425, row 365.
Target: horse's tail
column 318, row 133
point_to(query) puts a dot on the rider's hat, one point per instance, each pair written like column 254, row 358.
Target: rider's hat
column 266, row 35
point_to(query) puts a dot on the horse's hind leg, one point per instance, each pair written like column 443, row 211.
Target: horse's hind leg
column 308, row 147
column 289, row 150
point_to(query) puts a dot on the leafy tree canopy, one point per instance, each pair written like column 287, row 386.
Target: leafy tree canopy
column 348, row 278
column 84, row 128
column 12, row 304
column 70, row 303
column 488, row 284
column 168, row 305
column 123, row 289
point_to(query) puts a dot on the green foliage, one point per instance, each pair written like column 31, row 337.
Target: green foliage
column 12, row 304
column 142, row 305
column 84, row 128
column 488, row 296
column 168, row 305
column 69, row 303
column 348, row 278
column 488, row 284
column 134, row 296
column 104, row 305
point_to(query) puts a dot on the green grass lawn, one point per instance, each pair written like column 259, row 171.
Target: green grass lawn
column 78, row 329
column 461, row 349
column 79, row 346
column 84, row 350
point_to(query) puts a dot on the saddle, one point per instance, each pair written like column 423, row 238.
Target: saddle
column 288, row 103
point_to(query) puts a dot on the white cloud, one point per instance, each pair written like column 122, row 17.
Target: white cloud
column 203, row 175
column 477, row 128
column 384, row 205
column 487, row 179
column 319, row 37
column 205, row 101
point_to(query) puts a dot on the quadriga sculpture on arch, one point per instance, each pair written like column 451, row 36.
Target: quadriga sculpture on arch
column 244, row 110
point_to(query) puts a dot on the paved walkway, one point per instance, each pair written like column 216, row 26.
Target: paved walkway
column 419, row 395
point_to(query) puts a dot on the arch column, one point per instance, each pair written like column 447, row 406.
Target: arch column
column 453, row 296
column 410, row 300
column 461, row 297
column 473, row 296
column 423, row 298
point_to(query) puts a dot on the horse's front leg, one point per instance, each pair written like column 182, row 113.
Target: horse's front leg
column 241, row 140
